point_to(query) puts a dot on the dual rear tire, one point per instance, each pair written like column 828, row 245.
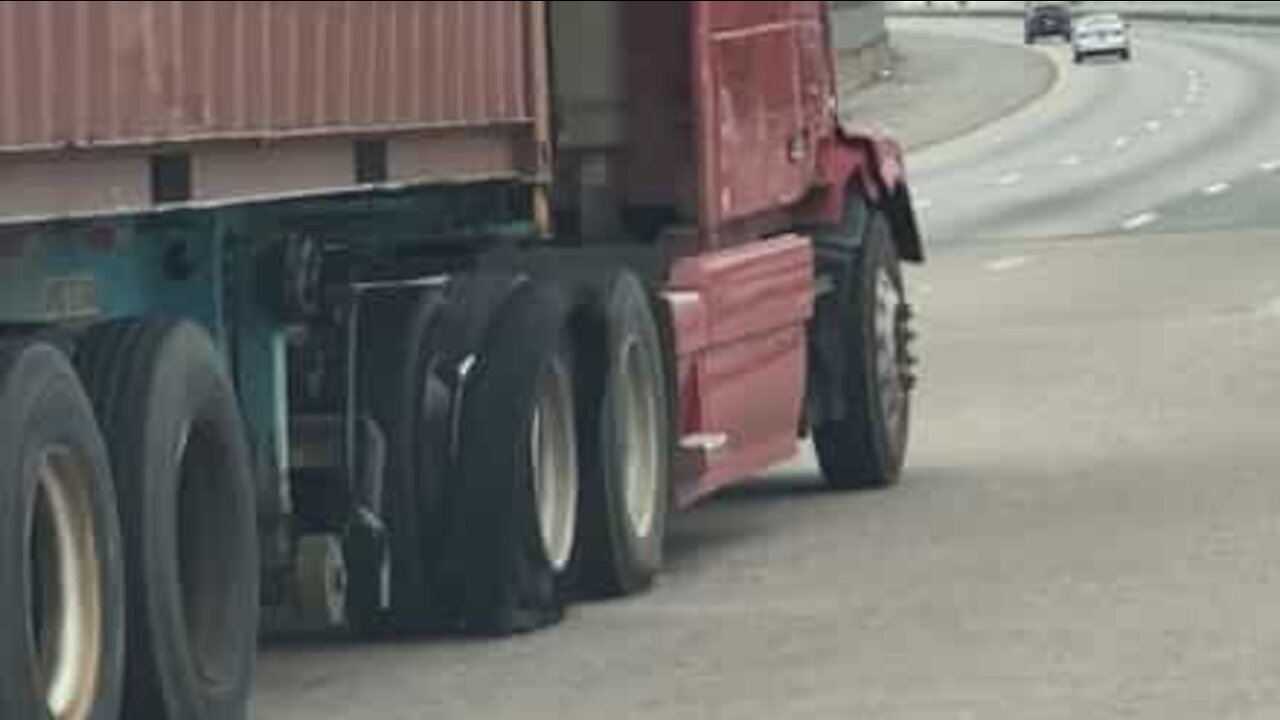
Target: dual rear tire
column 188, row 502
column 126, row 469
column 563, row 458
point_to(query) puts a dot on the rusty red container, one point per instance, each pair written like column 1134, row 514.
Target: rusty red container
column 91, row 73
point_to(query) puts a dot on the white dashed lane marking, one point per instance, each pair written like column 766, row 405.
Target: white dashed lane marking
column 1010, row 180
column 1217, row 189
column 1271, row 309
column 1270, row 166
column 1137, row 222
column 1072, row 161
column 1006, row 264
column 1154, row 126
column 1121, row 143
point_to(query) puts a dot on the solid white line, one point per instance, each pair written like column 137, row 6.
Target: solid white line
column 1005, row 264
column 1217, row 189
column 1138, row 222
column 1072, row 161
column 1010, row 180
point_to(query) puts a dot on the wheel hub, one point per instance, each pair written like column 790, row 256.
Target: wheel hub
column 893, row 340
column 641, row 454
column 554, row 447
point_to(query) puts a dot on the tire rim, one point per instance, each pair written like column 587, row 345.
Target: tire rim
column 554, row 445
column 890, row 354
column 65, row 607
column 639, row 423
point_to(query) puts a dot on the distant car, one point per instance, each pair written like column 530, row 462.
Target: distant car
column 1048, row 19
column 1102, row 35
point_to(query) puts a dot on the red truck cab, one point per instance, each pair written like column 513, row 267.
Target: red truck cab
column 728, row 141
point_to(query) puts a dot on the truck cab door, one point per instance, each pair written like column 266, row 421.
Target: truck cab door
column 750, row 98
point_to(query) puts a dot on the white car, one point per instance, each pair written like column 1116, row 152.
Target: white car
column 1102, row 35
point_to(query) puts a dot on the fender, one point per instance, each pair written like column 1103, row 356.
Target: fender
column 873, row 165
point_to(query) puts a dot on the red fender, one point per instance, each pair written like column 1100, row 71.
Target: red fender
column 873, row 165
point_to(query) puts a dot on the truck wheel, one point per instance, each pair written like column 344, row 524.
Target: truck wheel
column 515, row 520
column 187, row 501
column 322, row 582
column 397, row 371
column 61, row 565
column 867, row 449
column 628, row 449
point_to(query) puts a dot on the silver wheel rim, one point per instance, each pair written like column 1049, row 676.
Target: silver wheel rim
column 65, row 612
column 638, row 416
column 554, row 445
column 892, row 388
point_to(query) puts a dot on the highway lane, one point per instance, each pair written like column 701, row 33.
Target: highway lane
column 1114, row 146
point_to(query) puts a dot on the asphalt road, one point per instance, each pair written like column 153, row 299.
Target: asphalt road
column 1090, row 523
column 1159, row 144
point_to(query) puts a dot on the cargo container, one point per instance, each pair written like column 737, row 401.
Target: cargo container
column 396, row 317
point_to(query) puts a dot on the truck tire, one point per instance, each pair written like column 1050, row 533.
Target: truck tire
column 867, row 448
column 397, row 371
column 187, row 501
column 628, row 450
column 61, row 564
column 514, row 517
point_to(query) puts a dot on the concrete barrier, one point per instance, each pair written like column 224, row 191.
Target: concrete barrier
column 1150, row 12
column 861, row 37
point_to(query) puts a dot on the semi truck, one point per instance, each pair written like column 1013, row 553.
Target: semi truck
column 410, row 317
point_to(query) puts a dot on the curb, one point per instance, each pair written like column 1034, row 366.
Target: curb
column 1055, row 71
column 1168, row 16
column 1055, row 81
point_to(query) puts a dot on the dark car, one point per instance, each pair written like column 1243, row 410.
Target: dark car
column 1048, row 19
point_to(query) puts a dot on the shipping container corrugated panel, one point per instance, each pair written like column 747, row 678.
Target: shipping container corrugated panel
column 91, row 73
